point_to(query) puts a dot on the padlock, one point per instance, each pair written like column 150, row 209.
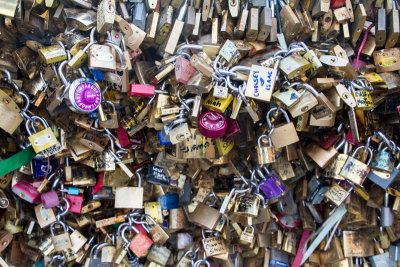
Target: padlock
column 183, row 70
column 272, row 186
column 287, row 97
column 44, row 216
column 176, row 29
column 354, row 170
column 201, row 62
column 247, row 238
column 293, row 65
column 83, row 93
column 139, row 15
column 60, row 241
column 247, row 205
column 383, row 160
column 212, row 124
column 94, row 140
column 139, row 244
column 118, row 78
column 316, row 190
column 213, row 245
column 10, row 110
column 165, row 24
column 287, row 130
column 261, row 83
column 44, row 141
column 108, row 118
column 362, row 97
column 75, row 202
column 265, row 22
column 50, row 199
column 265, row 154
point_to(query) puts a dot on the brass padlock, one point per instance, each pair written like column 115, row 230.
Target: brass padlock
column 286, row 130
column 108, row 118
column 265, row 154
column 354, row 170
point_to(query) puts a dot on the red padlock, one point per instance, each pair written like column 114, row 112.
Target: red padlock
column 183, row 70
column 142, row 90
column 337, row 3
column 123, row 137
column 212, row 124
column 140, row 244
column 75, row 203
column 233, row 130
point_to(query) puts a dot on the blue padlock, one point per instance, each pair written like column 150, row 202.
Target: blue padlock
column 40, row 166
column 97, row 75
column 169, row 201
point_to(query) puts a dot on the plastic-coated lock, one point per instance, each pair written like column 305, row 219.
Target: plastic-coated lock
column 50, row 199
column 26, row 191
column 142, row 90
column 169, row 201
column 73, row 191
column 75, row 202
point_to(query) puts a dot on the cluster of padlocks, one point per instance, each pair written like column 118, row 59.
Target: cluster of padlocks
column 223, row 133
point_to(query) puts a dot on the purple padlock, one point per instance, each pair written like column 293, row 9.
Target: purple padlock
column 272, row 187
column 84, row 94
column 50, row 200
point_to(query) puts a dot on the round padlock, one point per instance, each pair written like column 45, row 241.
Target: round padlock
column 50, row 199
column 212, row 124
column 84, row 95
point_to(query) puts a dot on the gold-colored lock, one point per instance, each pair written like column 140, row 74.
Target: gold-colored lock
column 217, row 104
column 293, row 65
column 265, row 154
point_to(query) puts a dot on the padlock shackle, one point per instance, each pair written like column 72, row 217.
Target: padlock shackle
column 137, row 171
column 62, row 77
column 110, row 103
column 362, row 147
column 265, row 136
column 32, row 121
column 277, row 110
column 189, row 46
column 9, row 80
column 119, row 51
column 305, row 86
column 60, row 223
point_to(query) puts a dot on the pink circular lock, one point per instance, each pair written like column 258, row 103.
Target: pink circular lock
column 50, row 200
column 212, row 124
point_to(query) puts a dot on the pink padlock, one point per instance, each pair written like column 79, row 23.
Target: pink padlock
column 50, row 200
column 212, row 124
column 26, row 191
column 75, row 203
column 123, row 137
column 183, row 70
column 142, row 90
